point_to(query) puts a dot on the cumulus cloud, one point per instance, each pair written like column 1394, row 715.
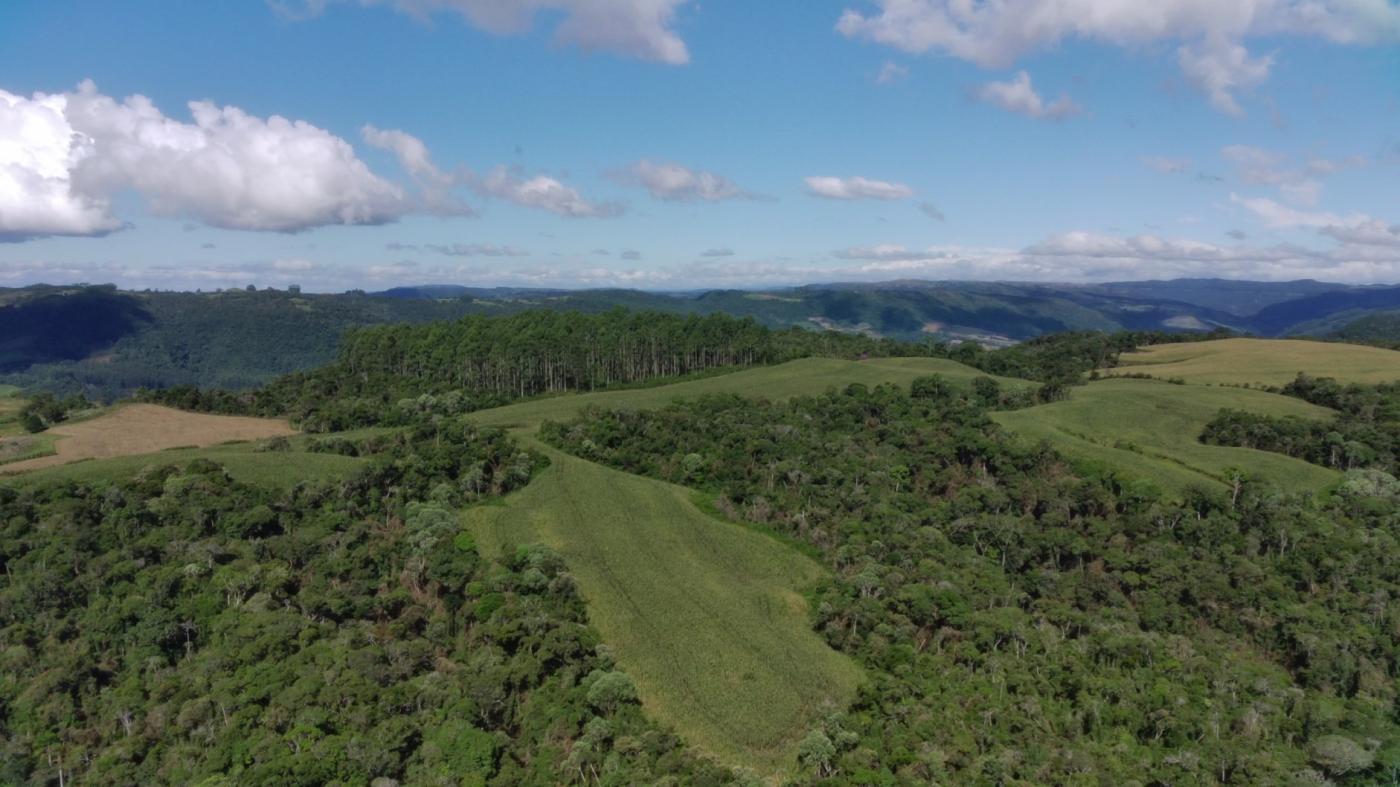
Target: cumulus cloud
column 64, row 156
column 856, row 188
column 637, row 28
column 675, row 183
column 1210, row 35
column 1220, row 68
column 227, row 169
column 39, row 150
column 542, row 192
column 1019, row 96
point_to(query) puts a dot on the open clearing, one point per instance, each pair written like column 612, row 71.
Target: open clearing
column 146, row 428
column 1262, row 361
column 707, row 616
column 1151, row 429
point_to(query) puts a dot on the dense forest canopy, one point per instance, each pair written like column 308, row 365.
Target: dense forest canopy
column 1025, row 624
column 384, row 372
column 183, row 628
column 1020, row 619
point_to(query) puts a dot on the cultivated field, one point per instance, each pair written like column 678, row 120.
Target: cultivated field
column 1262, row 361
column 144, row 429
column 1150, row 429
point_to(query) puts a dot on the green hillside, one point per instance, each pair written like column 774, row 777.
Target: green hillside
column 1150, row 430
column 1263, row 362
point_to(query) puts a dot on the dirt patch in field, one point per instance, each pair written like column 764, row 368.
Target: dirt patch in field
column 144, row 429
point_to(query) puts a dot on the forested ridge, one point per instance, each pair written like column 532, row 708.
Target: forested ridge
column 384, row 374
column 1022, row 623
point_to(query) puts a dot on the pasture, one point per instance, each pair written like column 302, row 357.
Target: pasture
column 1261, row 362
column 1150, row 429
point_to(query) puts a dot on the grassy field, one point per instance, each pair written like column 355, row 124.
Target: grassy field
column 280, row 469
column 706, row 615
column 1263, row 361
column 1150, row 429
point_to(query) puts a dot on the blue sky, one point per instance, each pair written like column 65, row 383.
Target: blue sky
column 671, row 144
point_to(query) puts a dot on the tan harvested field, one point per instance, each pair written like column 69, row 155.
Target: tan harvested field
column 144, row 429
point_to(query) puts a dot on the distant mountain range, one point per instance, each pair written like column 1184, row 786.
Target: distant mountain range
column 107, row 341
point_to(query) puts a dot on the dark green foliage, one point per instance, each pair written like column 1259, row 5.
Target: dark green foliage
column 1065, row 358
column 391, row 374
column 183, row 628
column 45, row 410
column 1381, row 329
column 1021, row 624
column 48, row 324
column 1365, row 433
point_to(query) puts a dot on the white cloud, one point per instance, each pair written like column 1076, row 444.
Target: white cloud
column 1019, row 96
column 1369, row 232
column 542, row 192
column 1211, row 32
column 1282, row 216
column 228, row 168
column 636, row 28
column 38, row 152
column 856, row 188
column 891, row 71
column 415, row 159
column 1166, row 166
column 1220, row 68
column 1299, row 184
column 64, row 156
column 675, row 183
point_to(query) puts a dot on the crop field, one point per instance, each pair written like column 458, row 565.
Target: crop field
column 808, row 376
column 1150, row 429
column 1263, row 362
